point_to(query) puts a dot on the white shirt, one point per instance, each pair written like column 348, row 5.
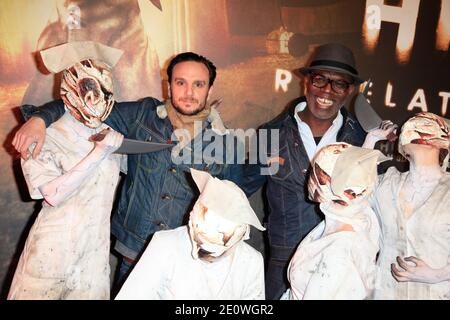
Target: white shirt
column 306, row 134
column 167, row 271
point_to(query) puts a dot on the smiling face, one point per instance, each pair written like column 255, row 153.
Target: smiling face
column 324, row 103
column 189, row 88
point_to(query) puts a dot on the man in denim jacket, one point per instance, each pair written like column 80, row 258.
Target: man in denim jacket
column 157, row 192
column 310, row 122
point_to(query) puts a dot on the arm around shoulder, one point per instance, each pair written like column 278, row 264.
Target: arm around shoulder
column 33, row 131
column 124, row 115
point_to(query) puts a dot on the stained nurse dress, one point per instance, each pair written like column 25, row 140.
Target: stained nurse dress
column 66, row 255
column 425, row 235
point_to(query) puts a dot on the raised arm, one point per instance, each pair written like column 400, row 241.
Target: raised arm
column 386, row 131
column 59, row 189
column 125, row 115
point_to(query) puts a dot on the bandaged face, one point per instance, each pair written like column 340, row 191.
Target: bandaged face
column 211, row 234
column 425, row 128
column 86, row 89
column 354, row 190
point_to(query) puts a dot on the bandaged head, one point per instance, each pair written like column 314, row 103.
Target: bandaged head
column 220, row 218
column 427, row 129
column 343, row 174
column 86, row 83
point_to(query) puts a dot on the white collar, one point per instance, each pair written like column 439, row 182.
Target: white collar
column 306, row 134
column 302, row 105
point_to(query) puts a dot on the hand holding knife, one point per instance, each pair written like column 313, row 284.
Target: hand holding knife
column 370, row 120
column 132, row 146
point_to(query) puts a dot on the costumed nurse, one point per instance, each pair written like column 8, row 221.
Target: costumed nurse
column 414, row 209
column 66, row 255
column 337, row 259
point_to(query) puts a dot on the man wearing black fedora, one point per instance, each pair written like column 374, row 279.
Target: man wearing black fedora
column 309, row 123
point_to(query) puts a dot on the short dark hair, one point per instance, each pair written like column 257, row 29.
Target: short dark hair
column 191, row 56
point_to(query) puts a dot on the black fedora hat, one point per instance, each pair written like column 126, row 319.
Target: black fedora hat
column 334, row 57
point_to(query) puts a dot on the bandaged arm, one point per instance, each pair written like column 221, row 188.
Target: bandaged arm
column 386, row 131
column 62, row 187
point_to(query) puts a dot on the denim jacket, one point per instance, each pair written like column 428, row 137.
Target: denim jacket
column 291, row 215
column 157, row 194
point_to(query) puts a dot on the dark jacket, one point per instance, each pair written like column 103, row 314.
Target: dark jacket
column 291, row 215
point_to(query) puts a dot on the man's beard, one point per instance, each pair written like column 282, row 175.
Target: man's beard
column 200, row 108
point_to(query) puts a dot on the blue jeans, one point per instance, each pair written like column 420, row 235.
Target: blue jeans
column 276, row 275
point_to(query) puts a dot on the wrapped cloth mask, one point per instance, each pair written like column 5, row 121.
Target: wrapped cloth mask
column 211, row 234
column 428, row 129
column 343, row 174
column 86, row 85
column 221, row 216
column 86, row 89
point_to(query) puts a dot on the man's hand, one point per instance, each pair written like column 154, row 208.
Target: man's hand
column 386, row 131
column 416, row 271
column 33, row 131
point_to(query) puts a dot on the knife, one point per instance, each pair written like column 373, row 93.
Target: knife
column 132, row 146
column 364, row 112
column 366, row 115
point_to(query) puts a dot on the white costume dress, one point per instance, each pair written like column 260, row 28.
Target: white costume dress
column 425, row 235
column 167, row 271
column 66, row 255
column 337, row 266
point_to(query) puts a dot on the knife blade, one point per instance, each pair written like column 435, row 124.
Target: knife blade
column 364, row 112
column 132, row 146
column 367, row 116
